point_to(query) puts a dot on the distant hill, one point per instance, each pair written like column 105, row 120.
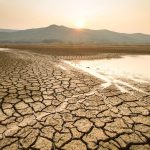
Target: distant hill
column 7, row 30
column 54, row 33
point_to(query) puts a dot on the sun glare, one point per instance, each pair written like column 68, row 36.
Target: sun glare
column 80, row 24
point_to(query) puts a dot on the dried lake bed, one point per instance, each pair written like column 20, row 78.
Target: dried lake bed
column 49, row 103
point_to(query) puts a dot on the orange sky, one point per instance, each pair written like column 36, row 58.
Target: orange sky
column 118, row 15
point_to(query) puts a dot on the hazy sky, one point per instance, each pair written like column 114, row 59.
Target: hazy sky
column 117, row 15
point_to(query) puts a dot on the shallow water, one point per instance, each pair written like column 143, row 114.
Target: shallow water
column 4, row 49
column 127, row 66
column 112, row 71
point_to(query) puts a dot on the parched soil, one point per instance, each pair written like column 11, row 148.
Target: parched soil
column 43, row 107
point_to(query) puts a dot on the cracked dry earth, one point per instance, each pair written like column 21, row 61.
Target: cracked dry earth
column 45, row 107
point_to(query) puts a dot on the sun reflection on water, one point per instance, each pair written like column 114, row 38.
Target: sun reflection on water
column 117, row 71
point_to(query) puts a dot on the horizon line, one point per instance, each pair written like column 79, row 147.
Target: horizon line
column 1, row 28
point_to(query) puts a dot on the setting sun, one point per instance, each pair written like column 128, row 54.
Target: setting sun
column 80, row 24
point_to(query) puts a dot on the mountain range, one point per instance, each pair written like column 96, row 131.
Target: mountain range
column 7, row 30
column 62, row 34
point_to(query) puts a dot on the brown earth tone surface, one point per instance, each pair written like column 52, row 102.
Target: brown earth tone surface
column 79, row 49
column 46, row 107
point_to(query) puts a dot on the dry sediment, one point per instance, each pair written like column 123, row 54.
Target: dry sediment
column 45, row 107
